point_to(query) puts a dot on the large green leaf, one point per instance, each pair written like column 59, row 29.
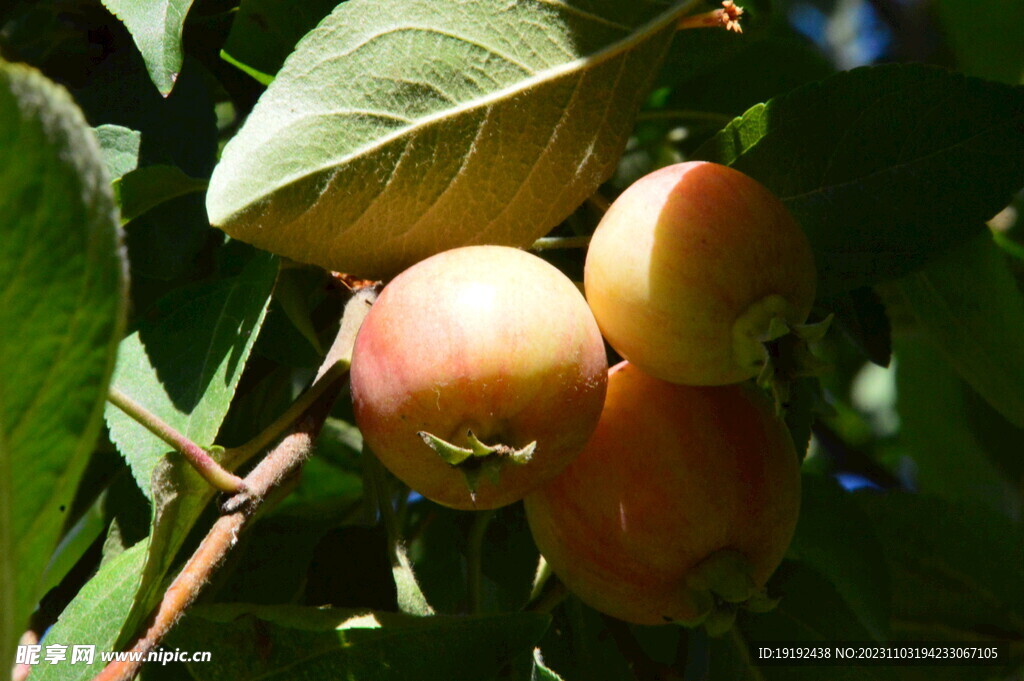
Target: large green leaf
column 955, row 568
column 953, row 457
column 264, row 32
column 179, row 130
column 61, row 314
column 399, row 129
column 156, row 27
column 884, row 167
column 835, row 538
column 968, row 303
column 95, row 616
column 718, row 71
column 143, row 189
column 986, row 40
column 184, row 364
column 811, row 612
column 287, row 642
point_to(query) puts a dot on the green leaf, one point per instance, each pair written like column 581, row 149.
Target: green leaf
column 968, row 303
column 62, row 309
column 292, row 293
column 218, row 322
column 184, row 364
column 120, row 147
column 801, row 410
column 836, row 539
column 156, row 27
column 179, row 130
column 579, row 645
column 955, row 568
column 986, row 39
column 264, row 32
column 145, row 188
column 811, row 611
column 249, row 641
column 953, row 457
column 723, row 72
column 95, row 616
column 397, row 130
column 884, row 167
column 861, row 316
column 541, row 672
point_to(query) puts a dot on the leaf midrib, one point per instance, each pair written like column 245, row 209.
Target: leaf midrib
column 639, row 35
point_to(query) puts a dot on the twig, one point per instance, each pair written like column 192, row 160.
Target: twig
column 267, row 477
column 283, row 461
column 198, row 457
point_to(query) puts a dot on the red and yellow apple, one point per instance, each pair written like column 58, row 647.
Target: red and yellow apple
column 482, row 344
column 683, row 498
column 688, row 269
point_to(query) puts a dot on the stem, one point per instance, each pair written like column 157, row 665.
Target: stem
column 204, row 464
column 552, row 242
column 474, row 560
column 274, row 470
column 263, row 483
column 237, row 456
column 334, row 367
column 410, row 596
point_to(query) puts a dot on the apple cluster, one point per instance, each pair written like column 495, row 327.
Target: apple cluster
column 663, row 490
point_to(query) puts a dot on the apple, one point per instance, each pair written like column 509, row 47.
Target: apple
column 680, row 507
column 693, row 268
column 488, row 356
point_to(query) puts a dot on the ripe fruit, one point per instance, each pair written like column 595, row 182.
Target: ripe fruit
column 688, row 269
column 684, row 498
column 483, row 339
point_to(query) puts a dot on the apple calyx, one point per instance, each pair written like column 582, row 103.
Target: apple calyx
column 765, row 340
column 479, row 458
column 790, row 358
column 719, row 587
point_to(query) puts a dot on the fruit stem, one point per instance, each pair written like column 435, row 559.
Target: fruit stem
column 333, row 369
column 199, row 458
column 474, row 560
column 728, row 18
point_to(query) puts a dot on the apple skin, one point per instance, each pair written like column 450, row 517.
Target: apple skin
column 677, row 261
column 483, row 338
column 672, row 474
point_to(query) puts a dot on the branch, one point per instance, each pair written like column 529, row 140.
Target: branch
column 283, row 462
